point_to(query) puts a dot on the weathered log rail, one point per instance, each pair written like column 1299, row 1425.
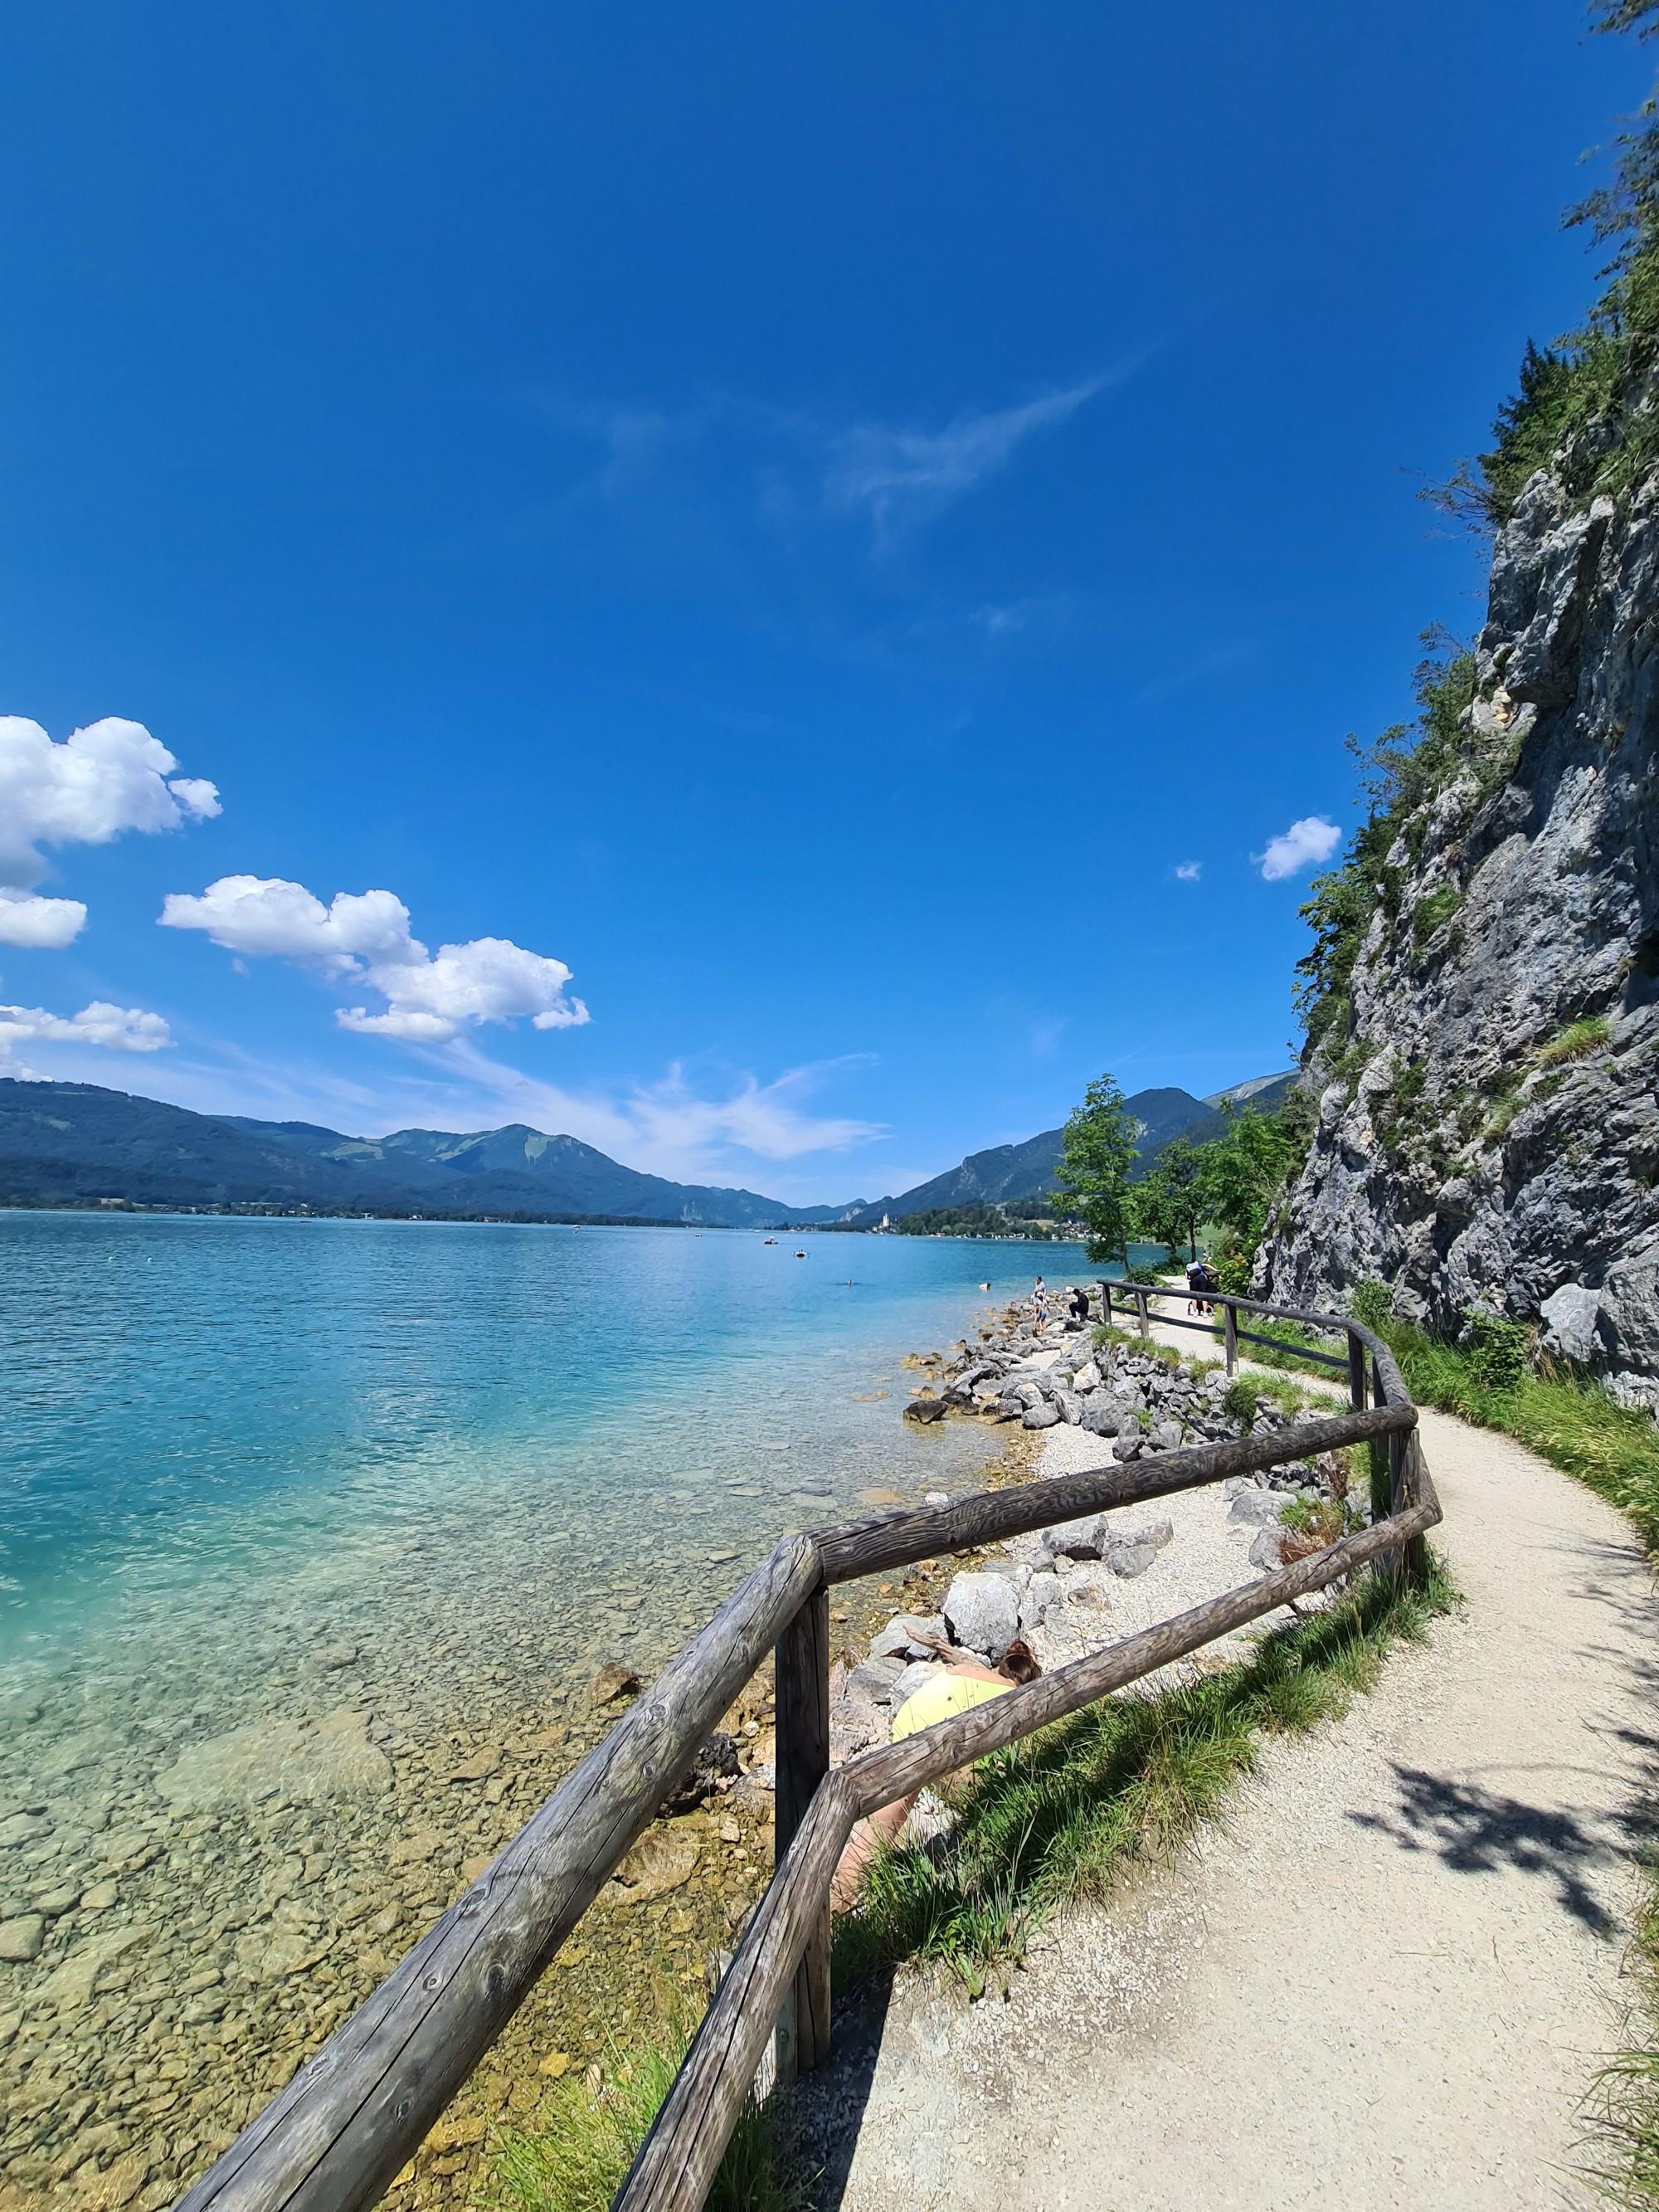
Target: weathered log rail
column 358, row 2110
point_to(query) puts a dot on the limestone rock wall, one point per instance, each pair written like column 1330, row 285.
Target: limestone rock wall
column 1488, row 1132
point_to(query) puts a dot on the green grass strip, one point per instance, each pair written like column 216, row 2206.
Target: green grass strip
column 1566, row 1419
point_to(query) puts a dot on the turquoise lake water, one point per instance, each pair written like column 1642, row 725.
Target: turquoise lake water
column 208, row 1420
column 299, row 1518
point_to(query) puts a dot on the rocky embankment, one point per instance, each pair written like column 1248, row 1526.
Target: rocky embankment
column 1066, row 1590
column 1488, row 1131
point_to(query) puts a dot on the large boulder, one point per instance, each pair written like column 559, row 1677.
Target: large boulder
column 873, row 1681
column 1570, row 1317
column 911, row 1636
column 915, row 1676
column 1077, row 1540
column 1042, row 1591
column 1045, row 1414
column 983, row 1614
column 1255, row 1508
column 1267, row 1551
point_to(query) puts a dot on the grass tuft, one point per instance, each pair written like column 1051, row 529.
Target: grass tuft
column 575, row 2156
column 1062, row 1815
column 1576, row 1042
column 1623, row 2106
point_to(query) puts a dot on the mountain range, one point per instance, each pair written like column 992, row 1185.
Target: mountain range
column 75, row 1144
column 1012, row 1172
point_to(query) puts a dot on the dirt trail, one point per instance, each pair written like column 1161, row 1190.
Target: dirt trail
column 1389, row 1979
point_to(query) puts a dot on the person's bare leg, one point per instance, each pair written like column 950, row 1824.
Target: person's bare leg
column 865, row 1844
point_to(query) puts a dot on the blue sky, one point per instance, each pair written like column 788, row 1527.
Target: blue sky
column 795, row 527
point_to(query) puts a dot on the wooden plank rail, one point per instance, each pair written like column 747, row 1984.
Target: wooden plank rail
column 358, row 2110
column 1230, row 1333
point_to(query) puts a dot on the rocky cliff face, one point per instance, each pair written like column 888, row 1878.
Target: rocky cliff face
column 1488, row 1132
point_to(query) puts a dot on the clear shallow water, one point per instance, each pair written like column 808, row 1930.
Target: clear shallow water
column 313, row 1536
column 196, row 1407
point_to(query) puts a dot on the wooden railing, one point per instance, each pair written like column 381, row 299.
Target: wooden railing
column 358, row 2110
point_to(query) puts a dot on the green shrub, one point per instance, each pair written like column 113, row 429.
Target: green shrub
column 1243, row 1401
column 1497, row 1350
column 1505, row 1107
column 1428, row 913
column 1371, row 1304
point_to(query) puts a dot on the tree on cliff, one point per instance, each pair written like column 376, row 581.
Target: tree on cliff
column 1091, row 1185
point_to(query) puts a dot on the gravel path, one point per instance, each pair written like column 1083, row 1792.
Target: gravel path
column 1387, row 1980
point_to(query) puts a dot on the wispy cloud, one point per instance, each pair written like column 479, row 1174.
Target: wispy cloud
column 900, row 476
column 1304, row 845
column 110, row 1028
column 791, row 469
column 1188, row 872
column 722, row 1131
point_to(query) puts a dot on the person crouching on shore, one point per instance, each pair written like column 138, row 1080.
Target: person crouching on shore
column 954, row 1689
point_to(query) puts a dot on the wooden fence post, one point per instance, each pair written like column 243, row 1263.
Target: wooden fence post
column 1145, row 1321
column 1231, row 1336
column 1356, row 1373
column 1381, row 1488
column 1410, row 1491
column 803, row 1761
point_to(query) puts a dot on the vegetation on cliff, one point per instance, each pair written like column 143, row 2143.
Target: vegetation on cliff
column 1584, row 406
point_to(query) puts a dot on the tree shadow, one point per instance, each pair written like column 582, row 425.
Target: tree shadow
column 1474, row 1830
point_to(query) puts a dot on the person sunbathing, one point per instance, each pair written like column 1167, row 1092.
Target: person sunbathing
column 957, row 1688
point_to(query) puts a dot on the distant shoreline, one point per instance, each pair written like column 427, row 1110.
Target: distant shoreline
column 254, row 1210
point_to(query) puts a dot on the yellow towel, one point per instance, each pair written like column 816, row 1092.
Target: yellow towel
column 946, row 1695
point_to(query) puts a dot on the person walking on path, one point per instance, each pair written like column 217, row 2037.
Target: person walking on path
column 1040, row 1306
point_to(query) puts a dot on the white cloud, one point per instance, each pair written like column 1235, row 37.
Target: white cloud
column 366, row 937
column 110, row 777
column 1304, row 845
column 41, row 924
column 265, row 915
column 117, row 1028
column 903, row 475
column 1188, row 872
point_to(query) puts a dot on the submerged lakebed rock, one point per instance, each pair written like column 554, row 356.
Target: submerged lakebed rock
column 301, row 1760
